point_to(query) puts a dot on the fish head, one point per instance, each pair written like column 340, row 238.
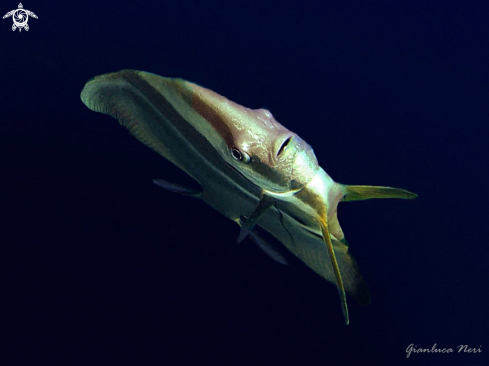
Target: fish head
column 254, row 144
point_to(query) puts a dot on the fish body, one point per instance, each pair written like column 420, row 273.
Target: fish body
column 251, row 168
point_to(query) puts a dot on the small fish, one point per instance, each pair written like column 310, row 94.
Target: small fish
column 249, row 167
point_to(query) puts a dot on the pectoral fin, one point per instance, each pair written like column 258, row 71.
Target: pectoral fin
column 265, row 203
column 336, row 269
column 358, row 193
column 176, row 188
column 264, row 245
column 268, row 248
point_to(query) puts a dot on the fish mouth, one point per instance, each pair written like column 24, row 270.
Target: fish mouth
column 282, row 145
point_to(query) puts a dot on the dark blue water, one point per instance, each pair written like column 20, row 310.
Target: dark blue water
column 99, row 266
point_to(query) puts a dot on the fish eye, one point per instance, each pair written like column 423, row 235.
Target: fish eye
column 240, row 156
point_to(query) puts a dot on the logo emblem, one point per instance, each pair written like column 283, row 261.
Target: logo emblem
column 20, row 17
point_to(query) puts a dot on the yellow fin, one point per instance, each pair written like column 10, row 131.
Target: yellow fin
column 357, row 193
column 355, row 284
column 334, row 263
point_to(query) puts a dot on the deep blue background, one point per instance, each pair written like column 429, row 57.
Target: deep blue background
column 99, row 266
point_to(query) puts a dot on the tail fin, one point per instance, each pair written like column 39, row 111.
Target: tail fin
column 358, row 193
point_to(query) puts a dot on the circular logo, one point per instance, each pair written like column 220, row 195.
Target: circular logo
column 20, row 18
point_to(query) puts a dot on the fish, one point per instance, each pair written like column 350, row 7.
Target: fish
column 247, row 166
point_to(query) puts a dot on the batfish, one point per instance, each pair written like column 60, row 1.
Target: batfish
column 250, row 168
